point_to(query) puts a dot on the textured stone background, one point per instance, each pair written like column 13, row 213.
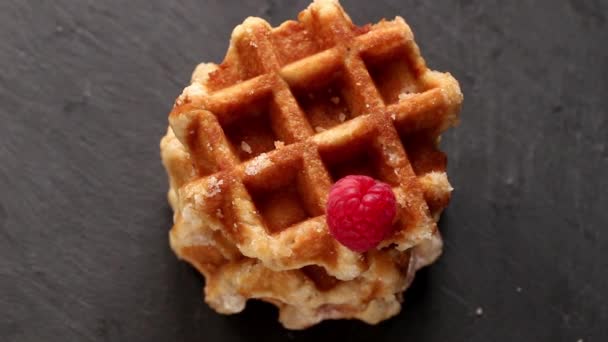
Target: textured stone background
column 85, row 88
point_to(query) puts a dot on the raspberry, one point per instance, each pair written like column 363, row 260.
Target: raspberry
column 360, row 212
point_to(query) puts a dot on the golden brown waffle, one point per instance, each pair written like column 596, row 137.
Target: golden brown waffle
column 256, row 142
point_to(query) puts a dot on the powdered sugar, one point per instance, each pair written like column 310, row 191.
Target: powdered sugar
column 257, row 164
column 213, row 188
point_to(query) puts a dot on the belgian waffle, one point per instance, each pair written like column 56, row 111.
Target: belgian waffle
column 255, row 143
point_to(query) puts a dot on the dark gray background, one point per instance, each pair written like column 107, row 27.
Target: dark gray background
column 85, row 88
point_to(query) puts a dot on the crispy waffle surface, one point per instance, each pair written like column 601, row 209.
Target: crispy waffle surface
column 255, row 143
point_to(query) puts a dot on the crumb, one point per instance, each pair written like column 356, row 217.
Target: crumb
column 194, row 90
column 580, row 340
column 518, row 289
column 367, row 105
column 394, row 116
column 341, row 117
column 245, row 147
column 319, row 129
column 257, row 164
column 479, row 311
column 335, row 100
column 213, row 187
column 219, row 213
column 358, row 83
column 252, row 43
column 278, row 144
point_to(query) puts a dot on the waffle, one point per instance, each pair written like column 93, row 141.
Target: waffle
column 255, row 143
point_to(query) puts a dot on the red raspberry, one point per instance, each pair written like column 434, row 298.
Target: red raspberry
column 360, row 212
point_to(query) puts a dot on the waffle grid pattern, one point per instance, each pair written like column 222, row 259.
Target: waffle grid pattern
column 291, row 110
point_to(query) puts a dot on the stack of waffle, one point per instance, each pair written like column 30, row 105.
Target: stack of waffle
column 255, row 143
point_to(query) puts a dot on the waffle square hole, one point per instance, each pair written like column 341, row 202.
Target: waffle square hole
column 423, row 152
column 283, row 201
column 394, row 75
column 356, row 158
column 250, row 132
column 324, row 105
column 322, row 280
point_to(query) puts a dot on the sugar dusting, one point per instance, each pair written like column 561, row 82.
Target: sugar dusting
column 213, row 188
column 257, row 164
column 278, row 144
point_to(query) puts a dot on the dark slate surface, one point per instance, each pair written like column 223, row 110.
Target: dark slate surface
column 85, row 88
